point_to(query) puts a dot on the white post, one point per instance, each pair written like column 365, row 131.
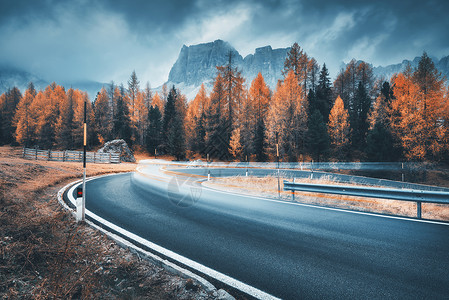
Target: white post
column 208, row 170
column 402, row 172
column 79, row 204
column 83, row 203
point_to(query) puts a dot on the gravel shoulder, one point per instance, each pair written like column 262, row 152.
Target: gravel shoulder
column 44, row 253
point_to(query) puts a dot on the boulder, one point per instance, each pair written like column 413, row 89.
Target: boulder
column 118, row 146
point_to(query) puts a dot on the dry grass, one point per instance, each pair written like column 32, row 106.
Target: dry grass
column 45, row 254
column 267, row 187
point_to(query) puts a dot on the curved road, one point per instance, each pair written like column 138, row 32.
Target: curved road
column 289, row 251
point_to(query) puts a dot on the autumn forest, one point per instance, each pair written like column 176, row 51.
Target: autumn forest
column 356, row 117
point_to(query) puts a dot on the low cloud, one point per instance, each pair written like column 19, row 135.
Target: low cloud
column 107, row 40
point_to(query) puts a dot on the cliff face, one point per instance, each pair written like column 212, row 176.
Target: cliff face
column 197, row 64
column 267, row 61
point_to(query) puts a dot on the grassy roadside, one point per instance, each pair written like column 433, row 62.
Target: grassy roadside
column 44, row 253
column 267, row 187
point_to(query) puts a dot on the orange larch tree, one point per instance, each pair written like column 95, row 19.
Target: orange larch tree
column 235, row 148
column 259, row 98
column 431, row 97
column 157, row 101
column 22, row 119
column 53, row 96
column 103, row 122
column 287, row 118
column 418, row 111
column 339, row 128
column 406, row 117
column 195, row 121
column 64, row 124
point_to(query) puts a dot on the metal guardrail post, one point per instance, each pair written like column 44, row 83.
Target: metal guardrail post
column 293, row 191
column 417, row 196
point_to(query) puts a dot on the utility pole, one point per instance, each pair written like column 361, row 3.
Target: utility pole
column 83, row 204
column 208, row 168
column 277, row 158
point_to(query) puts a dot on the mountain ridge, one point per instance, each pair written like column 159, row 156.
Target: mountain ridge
column 13, row 77
column 196, row 64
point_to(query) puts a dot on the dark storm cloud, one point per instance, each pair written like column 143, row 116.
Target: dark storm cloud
column 106, row 40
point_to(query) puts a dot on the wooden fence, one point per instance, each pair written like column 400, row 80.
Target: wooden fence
column 75, row 156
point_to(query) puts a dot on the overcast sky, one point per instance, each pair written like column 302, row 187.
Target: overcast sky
column 62, row 40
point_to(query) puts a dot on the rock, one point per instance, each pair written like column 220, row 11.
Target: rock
column 223, row 295
column 190, row 285
column 118, row 146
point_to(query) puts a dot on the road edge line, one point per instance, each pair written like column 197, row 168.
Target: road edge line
column 234, row 283
column 379, row 215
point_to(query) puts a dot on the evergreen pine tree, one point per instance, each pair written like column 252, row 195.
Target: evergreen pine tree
column 217, row 142
column 122, row 122
column 317, row 136
column 323, row 95
column 260, row 141
column 169, row 115
column 173, row 125
column 359, row 117
column 176, row 138
column 380, row 144
column 154, row 129
column 200, row 134
column 8, row 104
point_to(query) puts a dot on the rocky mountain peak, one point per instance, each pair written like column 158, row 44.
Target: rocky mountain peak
column 196, row 64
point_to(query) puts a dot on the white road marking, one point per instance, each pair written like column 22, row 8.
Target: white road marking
column 327, row 208
column 254, row 292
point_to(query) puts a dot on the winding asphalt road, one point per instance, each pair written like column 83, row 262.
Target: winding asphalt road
column 289, row 251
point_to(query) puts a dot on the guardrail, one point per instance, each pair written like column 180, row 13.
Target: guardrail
column 324, row 166
column 73, row 156
column 417, row 196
